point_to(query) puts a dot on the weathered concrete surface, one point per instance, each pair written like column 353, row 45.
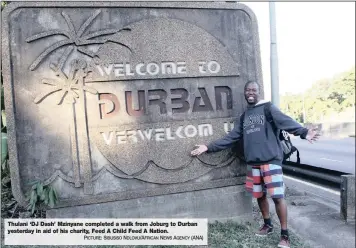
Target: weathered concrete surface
column 105, row 100
column 347, row 197
column 215, row 204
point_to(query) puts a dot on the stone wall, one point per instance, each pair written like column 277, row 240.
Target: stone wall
column 105, row 101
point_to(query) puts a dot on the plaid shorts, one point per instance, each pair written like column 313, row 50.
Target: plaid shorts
column 265, row 179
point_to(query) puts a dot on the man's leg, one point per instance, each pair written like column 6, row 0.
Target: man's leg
column 281, row 210
column 264, row 206
column 254, row 184
column 267, row 227
column 273, row 178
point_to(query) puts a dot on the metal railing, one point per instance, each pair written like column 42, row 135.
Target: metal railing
column 303, row 170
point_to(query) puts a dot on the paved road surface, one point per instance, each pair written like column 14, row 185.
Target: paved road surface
column 314, row 215
column 333, row 154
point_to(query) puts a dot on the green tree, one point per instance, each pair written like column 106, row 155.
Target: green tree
column 324, row 98
column 342, row 91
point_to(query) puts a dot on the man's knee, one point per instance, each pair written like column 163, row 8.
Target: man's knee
column 278, row 201
column 262, row 197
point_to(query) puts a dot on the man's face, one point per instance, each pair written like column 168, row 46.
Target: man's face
column 252, row 93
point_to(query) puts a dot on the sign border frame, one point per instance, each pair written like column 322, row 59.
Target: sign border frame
column 9, row 93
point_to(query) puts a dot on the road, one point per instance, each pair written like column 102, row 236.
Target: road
column 332, row 154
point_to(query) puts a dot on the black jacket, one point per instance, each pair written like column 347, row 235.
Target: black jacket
column 261, row 145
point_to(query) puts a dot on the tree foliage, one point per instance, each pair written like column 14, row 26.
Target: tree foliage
column 326, row 97
column 3, row 4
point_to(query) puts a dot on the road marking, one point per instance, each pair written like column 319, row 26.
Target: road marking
column 332, row 160
column 313, row 185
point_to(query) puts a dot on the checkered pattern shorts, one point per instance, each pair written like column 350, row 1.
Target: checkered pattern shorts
column 265, row 179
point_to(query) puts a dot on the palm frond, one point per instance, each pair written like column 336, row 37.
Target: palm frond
column 99, row 33
column 86, row 52
column 48, row 51
column 49, row 82
column 62, row 98
column 103, row 32
column 69, row 23
column 42, row 96
column 47, row 34
column 121, row 44
column 87, row 23
column 58, row 72
column 91, row 42
column 64, row 58
column 90, row 90
column 124, row 29
column 74, row 94
column 76, row 69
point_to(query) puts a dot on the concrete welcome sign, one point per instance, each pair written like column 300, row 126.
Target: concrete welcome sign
column 105, row 100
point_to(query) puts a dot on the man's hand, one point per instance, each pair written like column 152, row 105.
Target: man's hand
column 313, row 135
column 201, row 149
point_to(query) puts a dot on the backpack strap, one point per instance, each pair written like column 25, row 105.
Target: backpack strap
column 269, row 118
column 298, row 158
column 293, row 150
column 268, row 111
column 279, row 135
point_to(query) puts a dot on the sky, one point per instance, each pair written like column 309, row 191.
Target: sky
column 315, row 40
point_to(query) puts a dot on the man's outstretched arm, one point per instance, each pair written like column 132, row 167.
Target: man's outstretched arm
column 288, row 124
column 223, row 143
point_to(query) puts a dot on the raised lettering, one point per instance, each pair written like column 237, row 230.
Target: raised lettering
column 178, row 132
column 219, row 90
column 148, row 134
column 119, row 70
column 181, row 68
column 197, row 102
column 160, row 102
column 169, row 134
column 213, row 67
column 131, row 134
column 121, row 137
column 108, row 69
column 108, row 105
column 159, row 133
column 100, row 70
column 138, row 69
column 182, row 100
column 141, row 103
column 205, row 130
column 202, row 67
column 108, row 140
column 153, row 71
column 190, row 131
column 169, row 68
column 128, row 70
column 141, row 134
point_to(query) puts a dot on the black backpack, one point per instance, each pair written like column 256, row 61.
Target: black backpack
column 284, row 138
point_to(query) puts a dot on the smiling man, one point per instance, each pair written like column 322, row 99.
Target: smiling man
column 263, row 154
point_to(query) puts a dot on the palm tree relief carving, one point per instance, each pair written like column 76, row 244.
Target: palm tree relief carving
column 71, row 86
column 75, row 41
